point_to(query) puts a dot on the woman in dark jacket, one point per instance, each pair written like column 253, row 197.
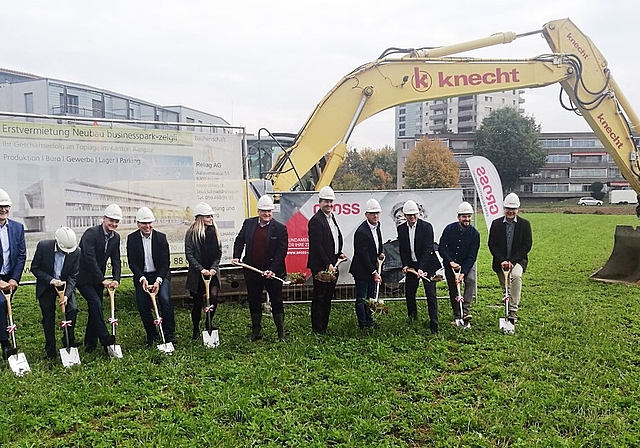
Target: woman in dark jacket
column 203, row 250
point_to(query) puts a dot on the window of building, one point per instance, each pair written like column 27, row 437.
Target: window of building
column 401, row 119
column 559, row 158
column 555, row 143
column 488, row 99
column 405, row 145
column 588, row 173
column 592, row 158
column 96, row 108
column 614, row 172
column 550, row 188
column 584, row 143
column 28, row 102
column 401, row 133
column 402, row 111
column 401, row 126
column 72, row 104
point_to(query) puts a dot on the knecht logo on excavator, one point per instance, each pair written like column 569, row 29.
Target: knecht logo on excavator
column 422, row 81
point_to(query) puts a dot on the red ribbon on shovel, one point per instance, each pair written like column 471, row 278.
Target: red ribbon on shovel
column 11, row 328
column 208, row 309
column 505, row 298
column 157, row 321
column 459, row 299
column 66, row 323
column 113, row 322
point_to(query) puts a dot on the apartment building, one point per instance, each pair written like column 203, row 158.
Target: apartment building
column 575, row 160
column 452, row 115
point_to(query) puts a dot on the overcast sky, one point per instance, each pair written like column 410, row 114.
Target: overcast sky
column 268, row 63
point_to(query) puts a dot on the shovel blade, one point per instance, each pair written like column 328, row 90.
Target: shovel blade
column 19, row 365
column 507, row 326
column 211, row 340
column 70, row 358
column 266, row 309
column 115, row 351
column 166, row 348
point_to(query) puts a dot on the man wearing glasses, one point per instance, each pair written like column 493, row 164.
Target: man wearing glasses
column 99, row 244
column 13, row 255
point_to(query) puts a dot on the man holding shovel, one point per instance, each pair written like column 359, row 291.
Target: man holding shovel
column 510, row 241
column 55, row 263
column 459, row 245
column 13, row 255
column 367, row 258
column 264, row 242
column 325, row 248
column 418, row 255
column 99, row 244
column 148, row 256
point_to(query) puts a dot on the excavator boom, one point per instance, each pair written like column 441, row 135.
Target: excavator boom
column 422, row 75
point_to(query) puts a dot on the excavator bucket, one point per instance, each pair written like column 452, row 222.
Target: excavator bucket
column 623, row 265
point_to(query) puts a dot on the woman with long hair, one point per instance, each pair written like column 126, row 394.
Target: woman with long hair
column 203, row 250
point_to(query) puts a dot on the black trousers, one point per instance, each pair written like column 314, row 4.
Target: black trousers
column 410, row 288
column 256, row 283
column 49, row 305
column 321, row 304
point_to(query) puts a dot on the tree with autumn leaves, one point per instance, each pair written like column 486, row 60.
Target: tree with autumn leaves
column 367, row 169
column 431, row 165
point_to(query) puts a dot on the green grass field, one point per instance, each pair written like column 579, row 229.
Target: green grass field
column 569, row 377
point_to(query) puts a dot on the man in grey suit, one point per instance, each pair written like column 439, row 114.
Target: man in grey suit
column 57, row 261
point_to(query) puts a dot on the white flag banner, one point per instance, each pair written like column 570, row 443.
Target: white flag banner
column 489, row 187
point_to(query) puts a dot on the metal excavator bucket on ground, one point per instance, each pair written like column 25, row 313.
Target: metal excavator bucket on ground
column 623, row 265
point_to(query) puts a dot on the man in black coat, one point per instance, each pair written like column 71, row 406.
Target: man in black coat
column 510, row 241
column 265, row 242
column 325, row 248
column 417, row 251
column 367, row 252
column 57, row 261
column 99, row 244
column 148, row 257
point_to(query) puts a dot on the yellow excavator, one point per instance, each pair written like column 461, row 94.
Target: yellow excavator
column 401, row 76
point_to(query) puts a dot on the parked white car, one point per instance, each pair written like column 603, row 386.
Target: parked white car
column 588, row 200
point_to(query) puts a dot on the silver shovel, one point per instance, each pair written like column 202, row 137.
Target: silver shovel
column 69, row 355
column 459, row 298
column 115, row 351
column 251, row 268
column 210, row 337
column 505, row 324
column 165, row 347
column 17, row 361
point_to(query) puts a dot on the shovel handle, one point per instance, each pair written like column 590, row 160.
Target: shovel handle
column 207, row 281
column 340, row 260
column 8, row 297
column 152, row 296
column 112, row 294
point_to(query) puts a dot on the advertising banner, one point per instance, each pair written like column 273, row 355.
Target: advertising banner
column 59, row 174
column 438, row 206
column 489, row 187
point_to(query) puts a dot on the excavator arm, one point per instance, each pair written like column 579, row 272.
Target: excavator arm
column 421, row 75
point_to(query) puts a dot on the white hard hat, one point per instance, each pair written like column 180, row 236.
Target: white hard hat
column 113, row 211
column 327, row 193
column 66, row 240
column 4, row 198
column 265, row 203
column 410, row 208
column 203, row 209
column 511, row 201
column 465, row 209
column 372, row 206
column 145, row 215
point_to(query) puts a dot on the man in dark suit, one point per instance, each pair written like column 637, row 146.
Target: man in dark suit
column 99, row 244
column 325, row 248
column 13, row 255
column 148, row 257
column 417, row 251
column 265, row 243
column 367, row 250
column 57, row 261
column 510, row 241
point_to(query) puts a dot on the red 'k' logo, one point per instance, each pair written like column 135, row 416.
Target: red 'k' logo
column 421, row 80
